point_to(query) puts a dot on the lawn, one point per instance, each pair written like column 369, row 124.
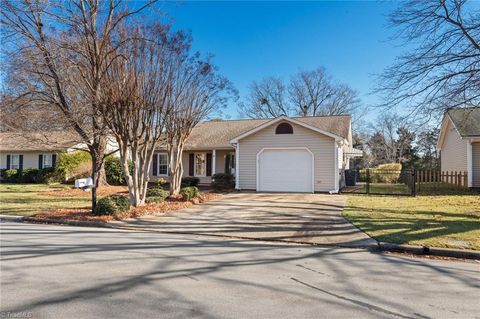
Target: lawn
column 451, row 221
column 29, row 199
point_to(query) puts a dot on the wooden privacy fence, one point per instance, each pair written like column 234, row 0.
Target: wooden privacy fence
column 454, row 178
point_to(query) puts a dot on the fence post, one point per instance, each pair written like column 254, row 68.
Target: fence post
column 414, row 176
column 368, row 181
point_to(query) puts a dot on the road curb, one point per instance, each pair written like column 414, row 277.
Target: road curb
column 382, row 246
column 433, row 251
column 11, row 218
column 82, row 223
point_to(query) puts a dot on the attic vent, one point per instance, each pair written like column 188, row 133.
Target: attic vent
column 284, row 128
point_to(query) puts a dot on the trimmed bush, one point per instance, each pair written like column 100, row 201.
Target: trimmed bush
column 48, row 175
column 155, row 199
column 73, row 165
column 189, row 192
column 222, row 182
column 386, row 173
column 190, row 181
column 114, row 170
column 157, row 192
column 10, row 175
column 28, row 175
column 161, row 182
column 112, row 205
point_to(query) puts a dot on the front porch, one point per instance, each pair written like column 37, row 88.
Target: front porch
column 201, row 163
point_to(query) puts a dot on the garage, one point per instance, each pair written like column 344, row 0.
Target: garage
column 285, row 170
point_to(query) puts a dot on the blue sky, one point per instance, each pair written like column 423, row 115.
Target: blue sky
column 252, row 40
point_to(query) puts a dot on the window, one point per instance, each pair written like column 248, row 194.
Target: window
column 15, row 161
column 47, row 160
column 163, row 164
column 284, row 128
column 200, row 164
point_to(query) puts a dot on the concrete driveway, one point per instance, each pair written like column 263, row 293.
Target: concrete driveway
column 301, row 218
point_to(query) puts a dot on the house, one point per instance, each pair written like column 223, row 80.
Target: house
column 41, row 149
column 284, row 154
column 34, row 149
column 459, row 143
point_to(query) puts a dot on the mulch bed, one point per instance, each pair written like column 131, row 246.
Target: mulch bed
column 84, row 214
column 75, row 192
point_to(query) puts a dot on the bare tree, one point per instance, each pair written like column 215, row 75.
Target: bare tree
column 198, row 90
column 309, row 92
column 267, row 99
column 135, row 103
column 443, row 69
column 65, row 51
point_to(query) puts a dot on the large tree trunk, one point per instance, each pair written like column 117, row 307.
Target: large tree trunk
column 97, row 151
column 176, row 168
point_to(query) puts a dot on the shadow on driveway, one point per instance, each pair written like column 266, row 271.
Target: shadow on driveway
column 300, row 218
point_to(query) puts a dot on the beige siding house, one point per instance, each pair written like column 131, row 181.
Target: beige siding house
column 34, row 149
column 459, row 143
column 304, row 154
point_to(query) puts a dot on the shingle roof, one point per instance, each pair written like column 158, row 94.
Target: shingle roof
column 218, row 134
column 466, row 120
column 38, row 141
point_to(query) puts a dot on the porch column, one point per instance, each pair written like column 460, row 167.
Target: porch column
column 469, row 163
column 237, row 166
column 214, row 162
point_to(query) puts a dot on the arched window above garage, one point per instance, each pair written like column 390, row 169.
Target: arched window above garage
column 284, row 128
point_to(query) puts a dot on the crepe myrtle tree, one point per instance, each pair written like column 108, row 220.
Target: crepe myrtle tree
column 197, row 91
column 136, row 101
column 59, row 54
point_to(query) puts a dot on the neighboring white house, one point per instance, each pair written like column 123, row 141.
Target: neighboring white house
column 304, row 154
column 38, row 149
column 459, row 143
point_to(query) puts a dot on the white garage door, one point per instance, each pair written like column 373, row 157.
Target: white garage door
column 285, row 170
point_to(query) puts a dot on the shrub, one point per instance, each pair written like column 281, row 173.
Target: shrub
column 386, row 173
column 114, row 170
column 156, row 199
column 112, row 205
column 161, row 182
column 189, row 192
column 28, row 175
column 73, row 165
column 222, row 181
column 157, row 192
column 190, row 181
column 48, row 175
column 10, row 175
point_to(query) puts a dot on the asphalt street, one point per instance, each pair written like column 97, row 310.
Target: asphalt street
column 76, row 272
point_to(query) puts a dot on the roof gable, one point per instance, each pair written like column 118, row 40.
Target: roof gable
column 287, row 119
column 465, row 121
column 218, row 134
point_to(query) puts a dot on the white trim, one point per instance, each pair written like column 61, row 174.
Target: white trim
column 237, row 166
column 284, row 118
column 285, row 148
column 469, row 164
column 337, row 172
column 11, row 161
column 195, row 164
column 158, row 164
column 214, row 161
column 43, row 160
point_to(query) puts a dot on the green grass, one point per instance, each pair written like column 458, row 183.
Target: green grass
column 26, row 199
column 451, row 221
